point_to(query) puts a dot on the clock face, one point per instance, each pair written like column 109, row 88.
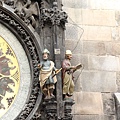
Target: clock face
column 9, row 76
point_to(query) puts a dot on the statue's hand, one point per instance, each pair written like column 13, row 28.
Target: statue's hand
column 73, row 67
column 39, row 66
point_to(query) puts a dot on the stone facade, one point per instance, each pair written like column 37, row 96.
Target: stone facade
column 92, row 33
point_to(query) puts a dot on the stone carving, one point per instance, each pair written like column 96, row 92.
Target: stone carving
column 48, row 110
column 53, row 15
column 28, row 11
column 68, row 109
column 9, row 2
column 37, row 116
column 30, row 46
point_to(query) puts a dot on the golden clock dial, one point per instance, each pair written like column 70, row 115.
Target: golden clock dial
column 9, row 76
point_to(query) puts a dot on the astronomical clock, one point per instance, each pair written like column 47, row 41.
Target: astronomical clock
column 27, row 27
column 20, row 93
column 9, row 76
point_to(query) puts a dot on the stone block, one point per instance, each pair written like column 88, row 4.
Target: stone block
column 94, row 117
column 93, row 4
column 109, row 48
column 118, row 81
column 98, row 17
column 71, row 14
column 87, row 117
column 112, row 48
column 116, row 48
column 104, row 4
column 109, row 117
column 77, row 81
column 72, row 45
column 87, row 103
column 97, row 81
column 101, row 33
column 115, row 33
column 76, row 59
column 72, row 32
column 106, row 63
column 108, row 104
column 91, row 47
column 80, row 58
column 76, row 4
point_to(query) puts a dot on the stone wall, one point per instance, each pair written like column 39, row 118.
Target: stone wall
column 92, row 33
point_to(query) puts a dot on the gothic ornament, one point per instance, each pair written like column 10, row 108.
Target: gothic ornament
column 53, row 15
column 30, row 46
column 28, row 11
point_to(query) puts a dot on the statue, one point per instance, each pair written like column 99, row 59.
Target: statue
column 67, row 74
column 28, row 11
column 47, row 75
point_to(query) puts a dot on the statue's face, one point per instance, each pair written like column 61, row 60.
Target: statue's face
column 45, row 56
column 69, row 56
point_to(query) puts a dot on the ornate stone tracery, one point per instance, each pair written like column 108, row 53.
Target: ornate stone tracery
column 26, row 38
column 53, row 15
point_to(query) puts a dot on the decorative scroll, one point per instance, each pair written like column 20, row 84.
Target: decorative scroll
column 28, row 40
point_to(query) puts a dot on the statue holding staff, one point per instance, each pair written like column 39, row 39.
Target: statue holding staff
column 47, row 75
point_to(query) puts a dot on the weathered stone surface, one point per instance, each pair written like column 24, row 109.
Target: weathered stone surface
column 112, row 48
column 87, row 117
column 109, row 48
column 98, row 81
column 87, row 103
column 91, row 17
column 108, row 104
column 117, row 16
column 93, row 4
column 96, row 33
column 76, row 3
column 72, row 45
column 118, row 81
column 116, row 48
column 91, row 47
column 94, row 117
column 80, row 58
column 106, row 63
column 99, row 51
column 109, row 117
column 72, row 32
column 115, row 33
column 77, row 80
column 72, row 17
column 98, row 17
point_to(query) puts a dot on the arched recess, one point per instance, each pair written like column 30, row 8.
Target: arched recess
column 32, row 50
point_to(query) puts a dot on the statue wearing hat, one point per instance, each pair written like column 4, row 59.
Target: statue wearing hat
column 47, row 75
column 67, row 74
